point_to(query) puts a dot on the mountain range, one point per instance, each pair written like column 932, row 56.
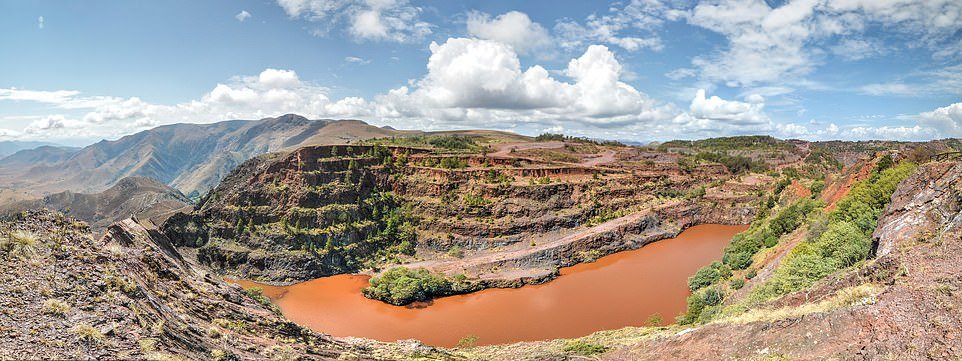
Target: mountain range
column 189, row 157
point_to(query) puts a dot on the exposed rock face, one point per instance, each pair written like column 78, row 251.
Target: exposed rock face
column 325, row 210
column 129, row 295
column 925, row 206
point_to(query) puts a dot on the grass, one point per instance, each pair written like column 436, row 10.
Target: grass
column 55, row 307
column 19, row 244
column 88, row 333
column 584, row 348
column 864, row 294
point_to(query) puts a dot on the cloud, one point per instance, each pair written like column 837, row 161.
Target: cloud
column 387, row 20
column 40, row 22
column 243, row 15
column 469, row 79
column 356, row 60
column 947, row 120
column 614, row 28
column 57, row 96
column 902, row 133
column 513, row 28
column 729, row 111
column 768, row 45
column 892, row 88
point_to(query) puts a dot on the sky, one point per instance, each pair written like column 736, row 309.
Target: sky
column 644, row 70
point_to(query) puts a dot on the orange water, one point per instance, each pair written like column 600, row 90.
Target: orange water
column 619, row 290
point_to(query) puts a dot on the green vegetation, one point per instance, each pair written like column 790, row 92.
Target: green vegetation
column 709, row 275
column 835, row 241
column 844, row 240
column 452, row 163
column 757, row 142
column 258, row 295
column 553, row 137
column 584, row 348
column 447, row 142
column 738, row 253
column 400, row 285
column 467, row 341
column 735, row 163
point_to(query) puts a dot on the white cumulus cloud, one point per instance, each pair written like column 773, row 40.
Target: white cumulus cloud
column 513, row 28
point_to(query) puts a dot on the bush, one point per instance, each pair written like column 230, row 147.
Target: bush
column 456, row 251
column 452, row 142
column 708, row 275
column 452, row 163
column 584, row 348
column 467, row 341
column 737, row 284
column 88, row 333
column 698, row 302
column 55, row 307
column 19, row 244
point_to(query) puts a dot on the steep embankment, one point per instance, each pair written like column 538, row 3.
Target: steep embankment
column 504, row 218
column 902, row 304
column 130, row 295
column 139, row 197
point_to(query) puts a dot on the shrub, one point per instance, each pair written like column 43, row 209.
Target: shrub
column 55, row 307
column 19, row 244
column 88, row 333
column 737, row 283
column 467, row 341
column 708, row 275
column 452, row 163
column 257, row 294
column 654, row 320
column 698, row 302
column 456, row 251
column 584, row 348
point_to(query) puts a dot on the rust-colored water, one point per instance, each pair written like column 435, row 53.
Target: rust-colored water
column 620, row 290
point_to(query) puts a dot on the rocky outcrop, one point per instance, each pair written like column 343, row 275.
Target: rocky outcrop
column 130, row 295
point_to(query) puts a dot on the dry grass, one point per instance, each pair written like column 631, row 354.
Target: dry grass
column 865, row 294
column 19, row 244
column 55, row 307
column 88, row 333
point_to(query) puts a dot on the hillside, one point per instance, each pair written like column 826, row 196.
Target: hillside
column 139, row 197
column 900, row 303
column 470, row 207
column 130, row 295
column 189, row 157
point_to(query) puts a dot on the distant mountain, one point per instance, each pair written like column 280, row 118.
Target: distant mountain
column 189, row 157
column 140, row 197
column 9, row 147
column 45, row 154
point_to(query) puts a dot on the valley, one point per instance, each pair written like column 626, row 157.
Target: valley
column 486, row 245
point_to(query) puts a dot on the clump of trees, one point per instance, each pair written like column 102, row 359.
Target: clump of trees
column 400, row 285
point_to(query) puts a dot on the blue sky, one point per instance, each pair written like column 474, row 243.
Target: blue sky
column 77, row 72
